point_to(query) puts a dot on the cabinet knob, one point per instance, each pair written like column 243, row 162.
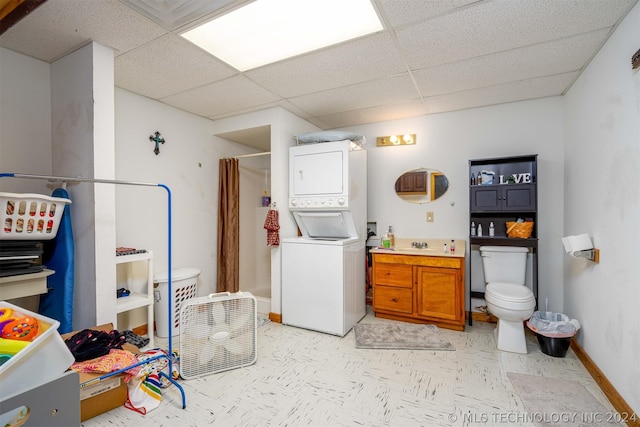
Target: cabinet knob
column 394, row 299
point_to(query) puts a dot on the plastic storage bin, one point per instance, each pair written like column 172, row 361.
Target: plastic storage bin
column 184, row 285
column 44, row 359
column 30, row 216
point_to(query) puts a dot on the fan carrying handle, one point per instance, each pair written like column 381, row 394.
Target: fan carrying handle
column 218, row 294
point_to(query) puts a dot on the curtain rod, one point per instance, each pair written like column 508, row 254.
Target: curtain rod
column 266, row 153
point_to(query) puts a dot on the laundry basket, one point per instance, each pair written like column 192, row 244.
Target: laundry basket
column 184, row 286
column 30, row 216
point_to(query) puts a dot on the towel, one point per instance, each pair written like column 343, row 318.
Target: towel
column 272, row 227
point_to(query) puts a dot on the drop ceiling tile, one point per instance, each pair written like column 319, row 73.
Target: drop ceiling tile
column 391, row 90
column 352, row 62
column 500, row 94
column 489, row 27
column 403, row 12
column 166, row 66
column 556, row 57
column 226, row 96
column 58, row 27
column 374, row 114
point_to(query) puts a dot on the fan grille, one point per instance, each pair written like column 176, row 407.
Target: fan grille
column 217, row 333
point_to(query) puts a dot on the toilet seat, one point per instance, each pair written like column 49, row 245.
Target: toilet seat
column 509, row 292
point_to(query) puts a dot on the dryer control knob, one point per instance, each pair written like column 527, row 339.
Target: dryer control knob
column 341, row 201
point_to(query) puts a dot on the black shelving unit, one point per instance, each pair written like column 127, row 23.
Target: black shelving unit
column 512, row 195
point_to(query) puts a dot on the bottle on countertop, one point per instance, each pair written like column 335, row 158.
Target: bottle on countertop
column 452, row 247
column 479, row 179
column 392, row 239
column 473, row 229
column 444, row 248
column 386, row 243
column 473, row 179
column 492, row 229
column 479, row 230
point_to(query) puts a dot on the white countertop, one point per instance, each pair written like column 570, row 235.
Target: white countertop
column 435, row 247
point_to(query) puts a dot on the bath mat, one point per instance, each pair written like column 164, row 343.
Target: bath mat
column 400, row 336
column 551, row 401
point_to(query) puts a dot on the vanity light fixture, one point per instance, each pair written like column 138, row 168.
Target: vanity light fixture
column 386, row 141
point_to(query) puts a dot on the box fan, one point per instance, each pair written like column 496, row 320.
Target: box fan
column 217, row 333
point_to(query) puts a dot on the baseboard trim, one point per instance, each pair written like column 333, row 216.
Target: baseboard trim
column 482, row 317
column 140, row 330
column 275, row 317
column 607, row 388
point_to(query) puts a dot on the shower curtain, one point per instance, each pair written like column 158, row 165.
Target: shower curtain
column 229, row 226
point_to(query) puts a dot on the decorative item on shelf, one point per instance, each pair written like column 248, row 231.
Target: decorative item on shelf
column 487, row 177
column 386, row 141
column 158, row 140
column 520, row 230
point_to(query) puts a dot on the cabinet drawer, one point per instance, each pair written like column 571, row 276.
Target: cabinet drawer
column 393, row 299
column 398, row 275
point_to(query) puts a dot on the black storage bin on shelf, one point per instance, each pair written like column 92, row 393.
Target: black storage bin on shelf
column 555, row 347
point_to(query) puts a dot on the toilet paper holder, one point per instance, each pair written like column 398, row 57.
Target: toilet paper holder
column 580, row 246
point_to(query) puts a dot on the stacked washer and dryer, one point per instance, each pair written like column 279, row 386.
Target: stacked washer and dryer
column 323, row 270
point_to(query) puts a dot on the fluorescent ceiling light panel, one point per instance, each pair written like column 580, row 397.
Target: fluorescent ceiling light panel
column 267, row 31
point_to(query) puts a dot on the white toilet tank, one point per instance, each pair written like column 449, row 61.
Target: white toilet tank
column 506, row 264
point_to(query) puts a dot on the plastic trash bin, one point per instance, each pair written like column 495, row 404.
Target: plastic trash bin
column 554, row 331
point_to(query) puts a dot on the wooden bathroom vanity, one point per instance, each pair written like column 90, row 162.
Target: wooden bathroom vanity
column 416, row 288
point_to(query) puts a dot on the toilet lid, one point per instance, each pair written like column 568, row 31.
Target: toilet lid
column 509, row 292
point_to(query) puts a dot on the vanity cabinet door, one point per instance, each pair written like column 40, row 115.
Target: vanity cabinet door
column 438, row 293
column 506, row 197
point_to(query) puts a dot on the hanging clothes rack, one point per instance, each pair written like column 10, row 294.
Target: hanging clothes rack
column 169, row 356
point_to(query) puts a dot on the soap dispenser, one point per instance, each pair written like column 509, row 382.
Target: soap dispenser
column 392, row 240
column 386, row 243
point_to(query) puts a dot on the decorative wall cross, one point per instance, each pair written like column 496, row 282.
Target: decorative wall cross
column 156, row 138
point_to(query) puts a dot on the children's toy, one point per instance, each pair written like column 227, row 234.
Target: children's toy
column 23, row 328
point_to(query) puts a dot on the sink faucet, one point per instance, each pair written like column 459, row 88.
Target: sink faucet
column 419, row 245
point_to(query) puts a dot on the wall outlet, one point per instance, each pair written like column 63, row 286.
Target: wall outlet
column 429, row 216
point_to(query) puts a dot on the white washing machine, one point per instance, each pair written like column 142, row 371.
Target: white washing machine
column 323, row 284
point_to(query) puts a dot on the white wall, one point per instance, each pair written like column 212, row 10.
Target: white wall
column 82, row 146
column 25, row 121
column 447, row 142
column 188, row 165
column 602, row 198
column 255, row 255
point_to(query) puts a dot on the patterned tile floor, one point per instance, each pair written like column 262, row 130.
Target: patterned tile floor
column 306, row 378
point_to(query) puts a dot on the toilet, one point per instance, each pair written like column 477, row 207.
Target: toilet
column 506, row 295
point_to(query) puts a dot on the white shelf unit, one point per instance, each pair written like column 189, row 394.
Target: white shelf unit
column 24, row 285
column 141, row 294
